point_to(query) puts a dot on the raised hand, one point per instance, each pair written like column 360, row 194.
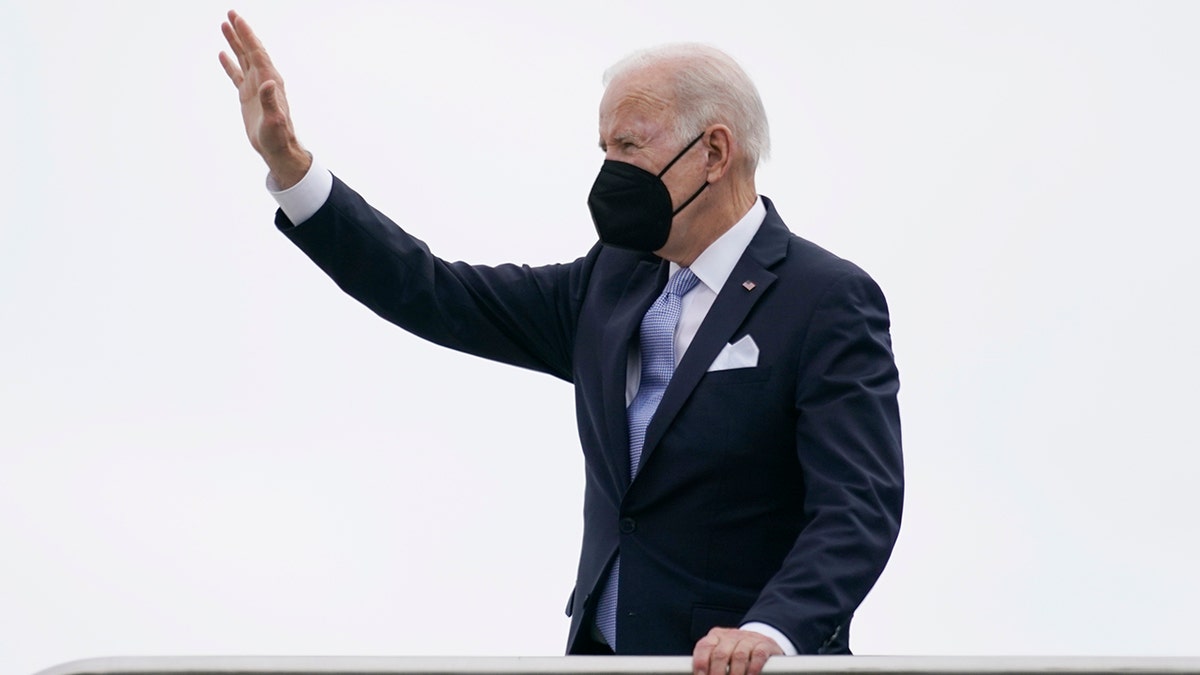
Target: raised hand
column 264, row 104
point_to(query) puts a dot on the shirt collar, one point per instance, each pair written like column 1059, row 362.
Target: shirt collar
column 715, row 263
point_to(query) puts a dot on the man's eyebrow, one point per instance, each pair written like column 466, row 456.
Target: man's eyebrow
column 620, row 138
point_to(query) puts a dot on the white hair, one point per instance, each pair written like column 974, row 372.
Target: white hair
column 710, row 88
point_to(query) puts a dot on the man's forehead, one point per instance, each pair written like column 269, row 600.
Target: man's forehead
column 649, row 88
column 643, row 101
column 631, row 105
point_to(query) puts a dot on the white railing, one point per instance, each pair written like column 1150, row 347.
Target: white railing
column 614, row 665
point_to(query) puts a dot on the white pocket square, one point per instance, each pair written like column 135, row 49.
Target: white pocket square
column 740, row 354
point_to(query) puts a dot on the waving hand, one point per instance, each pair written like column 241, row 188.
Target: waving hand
column 264, row 104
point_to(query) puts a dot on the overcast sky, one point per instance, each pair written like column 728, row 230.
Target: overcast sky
column 206, row 448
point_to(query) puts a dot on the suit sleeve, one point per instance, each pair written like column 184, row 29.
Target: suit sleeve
column 848, row 444
column 514, row 314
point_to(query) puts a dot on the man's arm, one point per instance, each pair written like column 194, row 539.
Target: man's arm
column 515, row 314
column 847, row 440
column 848, row 445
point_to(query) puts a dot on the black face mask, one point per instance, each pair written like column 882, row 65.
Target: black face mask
column 632, row 207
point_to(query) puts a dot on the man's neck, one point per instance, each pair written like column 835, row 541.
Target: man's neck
column 728, row 209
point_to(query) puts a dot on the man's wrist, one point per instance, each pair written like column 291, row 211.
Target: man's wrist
column 290, row 167
column 300, row 201
column 774, row 633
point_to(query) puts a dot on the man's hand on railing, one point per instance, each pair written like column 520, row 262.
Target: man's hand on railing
column 733, row 651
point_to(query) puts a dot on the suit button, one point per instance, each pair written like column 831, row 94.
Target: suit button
column 628, row 525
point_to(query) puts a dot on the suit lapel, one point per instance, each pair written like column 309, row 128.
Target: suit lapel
column 645, row 283
column 728, row 313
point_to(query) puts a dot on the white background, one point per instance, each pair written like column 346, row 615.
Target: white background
column 205, row 448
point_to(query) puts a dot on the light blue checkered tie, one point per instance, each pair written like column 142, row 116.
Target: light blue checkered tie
column 657, row 342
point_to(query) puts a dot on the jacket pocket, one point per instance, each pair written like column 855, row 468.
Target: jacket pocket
column 737, row 375
column 705, row 618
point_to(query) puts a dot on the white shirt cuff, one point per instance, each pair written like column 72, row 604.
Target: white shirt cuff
column 761, row 628
column 303, row 199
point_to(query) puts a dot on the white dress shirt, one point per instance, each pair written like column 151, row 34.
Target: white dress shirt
column 712, row 268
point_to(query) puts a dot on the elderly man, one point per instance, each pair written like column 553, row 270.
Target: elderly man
column 735, row 386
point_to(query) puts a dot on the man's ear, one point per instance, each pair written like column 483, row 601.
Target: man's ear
column 719, row 144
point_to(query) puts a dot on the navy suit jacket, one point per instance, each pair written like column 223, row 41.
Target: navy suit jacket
column 771, row 493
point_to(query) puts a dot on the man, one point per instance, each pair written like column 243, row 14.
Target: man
column 735, row 386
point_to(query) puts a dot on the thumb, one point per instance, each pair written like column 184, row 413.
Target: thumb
column 268, row 96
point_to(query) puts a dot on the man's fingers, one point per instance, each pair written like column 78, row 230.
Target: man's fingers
column 231, row 69
column 758, row 659
column 718, row 662
column 254, row 49
column 739, row 656
column 253, row 62
column 244, row 32
column 732, row 651
column 235, row 44
column 703, row 653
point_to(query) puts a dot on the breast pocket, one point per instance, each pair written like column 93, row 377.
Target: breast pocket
column 737, row 376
